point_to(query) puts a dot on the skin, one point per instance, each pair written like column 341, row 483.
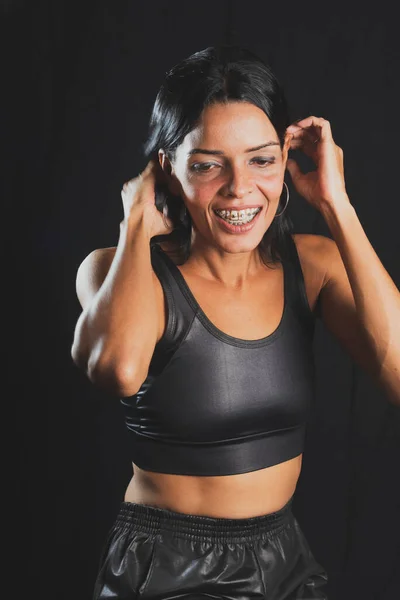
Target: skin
column 227, row 269
column 236, row 178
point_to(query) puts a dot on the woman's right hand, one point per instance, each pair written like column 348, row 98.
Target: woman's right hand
column 139, row 197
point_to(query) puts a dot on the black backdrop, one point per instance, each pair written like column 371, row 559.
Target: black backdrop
column 81, row 82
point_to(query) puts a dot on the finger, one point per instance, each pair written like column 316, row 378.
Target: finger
column 304, row 137
column 305, row 133
column 298, row 144
column 319, row 124
column 307, row 122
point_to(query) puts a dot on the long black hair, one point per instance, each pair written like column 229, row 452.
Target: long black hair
column 217, row 74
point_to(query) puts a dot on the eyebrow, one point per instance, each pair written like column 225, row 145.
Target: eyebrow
column 220, row 152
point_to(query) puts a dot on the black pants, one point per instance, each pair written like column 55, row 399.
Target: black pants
column 159, row 554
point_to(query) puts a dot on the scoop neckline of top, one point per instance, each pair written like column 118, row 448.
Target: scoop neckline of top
column 209, row 325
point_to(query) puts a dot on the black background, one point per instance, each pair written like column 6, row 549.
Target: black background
column 80, row 83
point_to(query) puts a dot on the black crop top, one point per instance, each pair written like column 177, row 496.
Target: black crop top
column 214, row 404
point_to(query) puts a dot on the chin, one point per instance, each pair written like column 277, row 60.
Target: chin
column 237, row 244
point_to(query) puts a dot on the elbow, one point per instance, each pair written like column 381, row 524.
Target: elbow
column 118, row 380
column 77, row 358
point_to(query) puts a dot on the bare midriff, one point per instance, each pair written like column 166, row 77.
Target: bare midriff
column 228, row 496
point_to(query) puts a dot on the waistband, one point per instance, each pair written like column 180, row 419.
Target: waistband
column 210, row 458
column 153, row 520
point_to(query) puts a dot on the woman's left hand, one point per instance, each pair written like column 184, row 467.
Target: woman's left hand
column 325, row 185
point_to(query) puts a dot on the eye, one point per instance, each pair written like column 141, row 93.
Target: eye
column 206, row 167
column 263, row 162
column 201, row 167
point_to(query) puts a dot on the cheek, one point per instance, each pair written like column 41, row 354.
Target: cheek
column 199, row 194
column 272, row 181
column 271, row 188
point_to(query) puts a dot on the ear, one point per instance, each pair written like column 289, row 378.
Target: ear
column 286, row 147
column 172, row 182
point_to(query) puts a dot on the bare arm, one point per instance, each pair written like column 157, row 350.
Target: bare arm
column 116, row 334
column 117, row 331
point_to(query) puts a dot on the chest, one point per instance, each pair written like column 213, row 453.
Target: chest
column 255, row 310
column 249, row 313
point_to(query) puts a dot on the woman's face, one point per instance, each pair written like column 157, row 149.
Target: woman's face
column 218, row 166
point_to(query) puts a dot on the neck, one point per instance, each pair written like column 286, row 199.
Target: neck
column 233, row 269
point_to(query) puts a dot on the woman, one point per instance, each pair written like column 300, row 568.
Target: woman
column 202, row 321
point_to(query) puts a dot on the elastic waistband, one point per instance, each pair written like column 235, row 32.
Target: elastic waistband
column 153, row 520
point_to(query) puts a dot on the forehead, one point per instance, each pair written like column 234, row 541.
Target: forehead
column 237, row 125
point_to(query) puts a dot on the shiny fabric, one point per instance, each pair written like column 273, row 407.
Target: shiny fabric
column 157, row 554
column 213, row 404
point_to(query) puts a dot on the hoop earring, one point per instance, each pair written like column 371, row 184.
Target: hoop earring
column 287, row 200
column 165, row 214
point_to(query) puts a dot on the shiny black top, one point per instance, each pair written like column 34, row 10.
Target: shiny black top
column 214, row 404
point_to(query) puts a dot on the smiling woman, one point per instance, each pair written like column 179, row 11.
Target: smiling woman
column 203, row 326
column 252, row 175
column 194, row 95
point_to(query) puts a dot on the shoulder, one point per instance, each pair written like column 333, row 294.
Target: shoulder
column 91, row 273
column 315, row 252
column 96, row 260
column 93, row 270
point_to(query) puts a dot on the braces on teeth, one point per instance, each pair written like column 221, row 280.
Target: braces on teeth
column 240, row 217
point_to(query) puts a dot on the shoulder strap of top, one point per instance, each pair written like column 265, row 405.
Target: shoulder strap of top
column 296, row 285
column 179, row 313
column 181, row 310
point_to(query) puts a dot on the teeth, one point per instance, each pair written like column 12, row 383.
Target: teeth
column 237, row 214
column 246, row 215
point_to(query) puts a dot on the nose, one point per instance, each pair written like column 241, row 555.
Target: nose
column 239, row 184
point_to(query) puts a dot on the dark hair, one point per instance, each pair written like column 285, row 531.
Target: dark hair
column 217, row 74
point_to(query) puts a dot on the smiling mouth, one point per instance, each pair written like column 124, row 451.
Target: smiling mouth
column 235, row 217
